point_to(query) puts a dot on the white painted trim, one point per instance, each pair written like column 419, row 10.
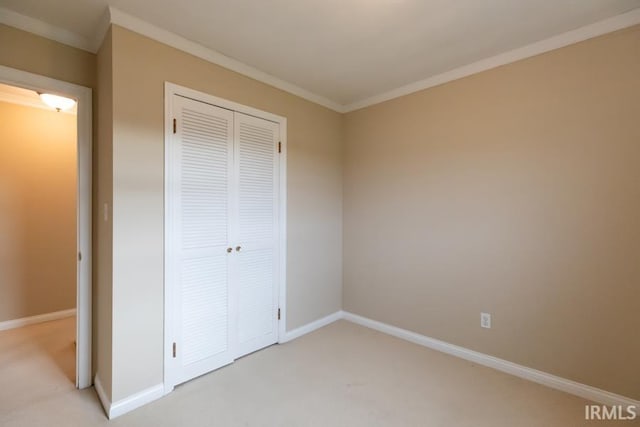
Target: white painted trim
column 102, row 396
column 282, row 228
column 43, row 29
column 84, row 293
column 46, row 317
column 84, row 134
column 570, row 37
column 561, row 40
column 568, row 386
column 136, row 400
column 310, row 327
column 167, row 378
column 174, row 89
column 122, row 19
column 572, row 387
column 128, row 404
column 101, row 30
column 139, row 26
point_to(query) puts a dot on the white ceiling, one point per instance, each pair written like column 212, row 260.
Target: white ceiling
column 27, row 97
column 343, row 50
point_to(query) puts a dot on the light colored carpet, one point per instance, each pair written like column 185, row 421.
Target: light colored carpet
column 341, row 375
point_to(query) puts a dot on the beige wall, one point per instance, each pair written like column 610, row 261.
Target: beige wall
column 37, row 211
column 28, row 52
column 103, row 239
column 35, row 54
column 517, row 192
column 513, row 191
column 140, row 68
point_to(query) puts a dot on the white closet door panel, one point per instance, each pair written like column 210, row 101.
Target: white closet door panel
column 202, row 182
column 255, row 296
column 257, row 196
column 204, row 186
column 257, row 141
column 204, row 307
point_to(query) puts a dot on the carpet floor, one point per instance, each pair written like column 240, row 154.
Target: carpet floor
column 340, row 375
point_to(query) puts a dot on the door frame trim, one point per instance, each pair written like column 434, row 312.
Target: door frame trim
column 84, row 139
column 171, row 89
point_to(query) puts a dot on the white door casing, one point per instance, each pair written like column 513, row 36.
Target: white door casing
column 224, row 232
column 83, row 96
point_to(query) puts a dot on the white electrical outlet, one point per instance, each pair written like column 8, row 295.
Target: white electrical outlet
column 485, row 320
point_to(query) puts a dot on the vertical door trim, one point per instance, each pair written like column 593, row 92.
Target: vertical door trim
column 83, row 208
column 168, row 274
column 171, row 89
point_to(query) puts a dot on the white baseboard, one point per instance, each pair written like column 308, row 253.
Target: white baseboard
column 129, row 403
column 594, row 394
column 143, row 397
column 310, row 327
column 17, row 323
column 136, row 400
column 104, row 400
column 568, row 386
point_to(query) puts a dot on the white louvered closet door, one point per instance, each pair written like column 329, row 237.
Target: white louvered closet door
column 223, row 237
column 201, row 204
column 256, row 165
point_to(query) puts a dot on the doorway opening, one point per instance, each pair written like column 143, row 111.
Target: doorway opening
column 45, row 224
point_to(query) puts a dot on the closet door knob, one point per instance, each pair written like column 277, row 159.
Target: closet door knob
column 238, row 248
column 229, row 250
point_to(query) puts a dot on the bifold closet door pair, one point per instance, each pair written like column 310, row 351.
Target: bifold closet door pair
column 223, row 230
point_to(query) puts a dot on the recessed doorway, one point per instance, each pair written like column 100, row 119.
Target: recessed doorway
column 45, row 193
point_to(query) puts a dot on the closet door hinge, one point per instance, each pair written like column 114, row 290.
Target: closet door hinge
column 174, row 350
column 278, row 314
column 175, row 126
column 279, row 147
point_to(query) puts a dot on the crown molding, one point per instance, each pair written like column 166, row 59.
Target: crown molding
column 41, row 28
column 122, row 19
column 144, row 28
column 101, row 30
column 599, row 28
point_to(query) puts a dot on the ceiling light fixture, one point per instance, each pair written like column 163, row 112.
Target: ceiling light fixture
column 60, row 103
